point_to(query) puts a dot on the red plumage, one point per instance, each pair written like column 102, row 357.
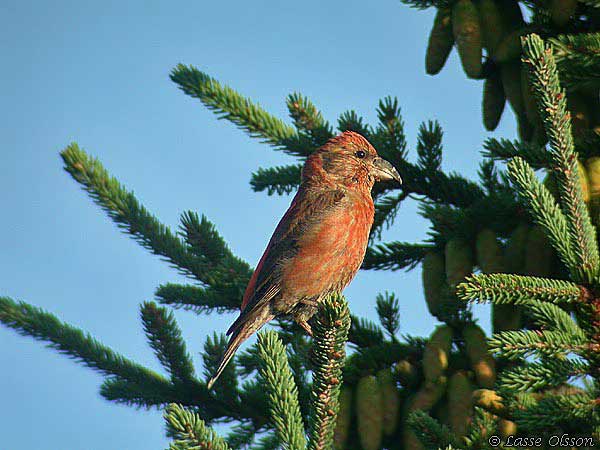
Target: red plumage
column 319, row 244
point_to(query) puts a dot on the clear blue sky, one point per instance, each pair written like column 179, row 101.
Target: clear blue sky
column 97, row 73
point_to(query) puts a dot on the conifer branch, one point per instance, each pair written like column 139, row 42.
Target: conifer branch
column 196, row 298
column 388, row 310
column 41, row 325
column 482, row 425
column 495, row 183
column 299, row 359
column 140, row 394
column 269, row 442
column 351, row 121
column 429, row 146
column 431, row 433
column 447, row 189
column 250, row 117
column 308, row 119
column 330, row 334
column 592, row 3
column 498, row 212
column 190, row 432
column 282, row 391
column 389, row 138
column 550, row 372
column 376, row 357
column 129, row 383
column 552, row 104
column 129, row 393
column 125, row 210
column 545, row 212
column 429, row 180
column 241, row 436
column 425, row 4
column 386, row 209
column 364, row 333
column 390, row 141
column 521, row 400
column 504, row 150
column 164, row 337
column 395, row 256
column 554, row 410
column 280, row 179
column 578, row 58
column 433, row 184
column 502, row 288
column 214, row 348
column 515, row 344
column 205, row 242
column 552, row 317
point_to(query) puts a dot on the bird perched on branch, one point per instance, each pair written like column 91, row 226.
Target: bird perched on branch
column 320, row 242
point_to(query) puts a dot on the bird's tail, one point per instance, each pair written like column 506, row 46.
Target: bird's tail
column 237, row 337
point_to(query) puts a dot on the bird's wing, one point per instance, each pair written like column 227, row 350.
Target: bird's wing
column 306, row 208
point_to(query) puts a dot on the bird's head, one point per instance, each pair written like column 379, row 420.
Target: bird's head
column 349, row 160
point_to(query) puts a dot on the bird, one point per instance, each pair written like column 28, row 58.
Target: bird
column 319, row 243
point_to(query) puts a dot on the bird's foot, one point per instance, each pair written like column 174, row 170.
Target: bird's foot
column 304, row 324
column 314, row 303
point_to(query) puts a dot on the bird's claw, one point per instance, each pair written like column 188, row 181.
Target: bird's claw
column 304, row 324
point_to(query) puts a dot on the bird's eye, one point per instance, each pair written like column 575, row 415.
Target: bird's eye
column 360, row 154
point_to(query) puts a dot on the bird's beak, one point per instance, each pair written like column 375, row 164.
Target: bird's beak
column 385, row 171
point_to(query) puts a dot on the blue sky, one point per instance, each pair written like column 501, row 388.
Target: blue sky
column 97, row 73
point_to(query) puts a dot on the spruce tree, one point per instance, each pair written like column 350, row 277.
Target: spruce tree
column 533, row 243
column 554, row 94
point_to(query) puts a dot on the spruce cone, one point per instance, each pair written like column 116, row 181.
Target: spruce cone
column 440, row 42
column 391, row 400
column 493, row 101
column 459, row 261
column 344, row 416
column 467, row 34
column 369, row 413
column 434, row 277
column 460, row 392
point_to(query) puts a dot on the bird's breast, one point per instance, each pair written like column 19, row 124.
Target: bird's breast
column 331, row 250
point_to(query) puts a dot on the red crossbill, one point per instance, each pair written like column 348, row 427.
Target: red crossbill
column 319, row 244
